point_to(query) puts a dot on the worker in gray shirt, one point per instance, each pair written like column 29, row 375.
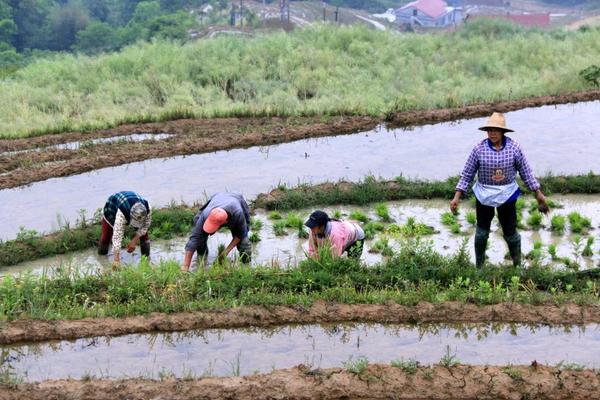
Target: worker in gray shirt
column 222, row 209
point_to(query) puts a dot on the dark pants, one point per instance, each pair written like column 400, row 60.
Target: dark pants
column 106, row 237
column 355, row 249
column 507, row 215
column 244, row 247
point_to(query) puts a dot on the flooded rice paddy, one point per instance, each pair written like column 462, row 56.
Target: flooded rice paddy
column 223, row 352
column 136, row 137
column 289, row 249
column 559, row 139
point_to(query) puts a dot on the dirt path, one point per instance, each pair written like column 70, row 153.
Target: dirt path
column 320, row 312
column 208, row 135
column 375, row 382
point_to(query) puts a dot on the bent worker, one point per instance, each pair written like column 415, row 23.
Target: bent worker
column 122, row 209
column 341, row 236
column 222, row 209
column 496, row 160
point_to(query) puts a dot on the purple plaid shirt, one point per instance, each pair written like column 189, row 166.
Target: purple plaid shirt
column 497, row 167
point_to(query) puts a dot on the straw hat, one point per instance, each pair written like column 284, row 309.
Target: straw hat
column 496, row 121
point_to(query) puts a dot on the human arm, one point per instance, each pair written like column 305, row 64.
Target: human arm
column 118, row 233
column 454, row 202
column 530, row 180
column 193, row 241
column 234, row 242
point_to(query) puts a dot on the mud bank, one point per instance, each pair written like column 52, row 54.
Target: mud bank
column 374, row 382
column 204, row 136
column 320, row 312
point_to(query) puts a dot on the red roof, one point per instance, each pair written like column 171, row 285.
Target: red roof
column 539, row 20
column 433, row 8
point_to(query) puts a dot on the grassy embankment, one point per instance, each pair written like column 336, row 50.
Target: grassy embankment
column 414, row 273
column 176, row 220
column 321, row 70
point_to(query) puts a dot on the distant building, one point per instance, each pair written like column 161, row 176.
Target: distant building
column 428, row 13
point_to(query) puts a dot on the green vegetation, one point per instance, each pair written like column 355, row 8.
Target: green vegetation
column 373, row 190
column 382, row 211
column 293, row 220
column 535, row 220
column 359, row 216
column 552, row 252
column 588, row 251
column 557, row 224
column 29, row 245
column 409, row 366
column 382, row 246
column 579, row 223
column 357, row 366
column 371, row 228
column 412, row 228
column 414, row 273
column 279, row 228
column 449, row 219
column 321, row 70
column 274, row 215
column 471, row 217
column 254, row 237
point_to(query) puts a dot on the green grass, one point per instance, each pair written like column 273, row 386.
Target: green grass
column 167, row 222
column 374, row 190
column 320, row 70
column 413, row 274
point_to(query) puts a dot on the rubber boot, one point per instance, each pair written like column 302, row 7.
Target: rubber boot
column 481, row 238
column 514, row 248
column 145, row 248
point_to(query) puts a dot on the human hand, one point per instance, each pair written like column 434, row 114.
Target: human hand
column 454, row 205
column 131, row 247
column 542, row 205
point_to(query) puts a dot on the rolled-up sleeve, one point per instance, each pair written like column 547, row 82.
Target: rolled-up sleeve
column 469, row 171
column 525, row 170
column 118, row 231
column 142, row 230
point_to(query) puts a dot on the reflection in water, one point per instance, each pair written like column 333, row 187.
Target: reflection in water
column 568, row 145
column 225, row 352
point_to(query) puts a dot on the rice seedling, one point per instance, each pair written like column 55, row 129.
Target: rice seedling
column 471, row 217
column 535, row 220
column 552, row 251
column 337, row 214
column 588, row 251
column 293, row 220
column 380, row 246
column 382, row 211
column 411, row 229
column 371, row 228
column 357, row 366
column 302, row 233
column 409, row 366
column 449, row 219
column 274, row 215
column 256, row 224
column 536, row 254
column 279, row 228
column 449, row 359
column 360, row 216
column 557, row 224
column 579, row 223
column 254, row 237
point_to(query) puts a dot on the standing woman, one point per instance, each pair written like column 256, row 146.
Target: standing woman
column 496, row 161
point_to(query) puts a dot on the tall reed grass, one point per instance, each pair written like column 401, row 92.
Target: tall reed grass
column 320, row 70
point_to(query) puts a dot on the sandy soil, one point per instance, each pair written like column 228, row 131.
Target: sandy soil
column 375, row 382
column 208, row 135
column 320, row 312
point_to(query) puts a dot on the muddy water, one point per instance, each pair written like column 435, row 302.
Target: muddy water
column 138, row 137
column 222, row 352
column 289, row 249
column 558, row 139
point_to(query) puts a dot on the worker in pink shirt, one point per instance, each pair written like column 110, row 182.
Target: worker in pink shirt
column 341, row 236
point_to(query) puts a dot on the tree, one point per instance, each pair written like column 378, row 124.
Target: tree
column 146, row 11
column 8, row 30
column 171, row 26
column 65, row 23
column 30, row 18
column 98, row 9
column 96, row 37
